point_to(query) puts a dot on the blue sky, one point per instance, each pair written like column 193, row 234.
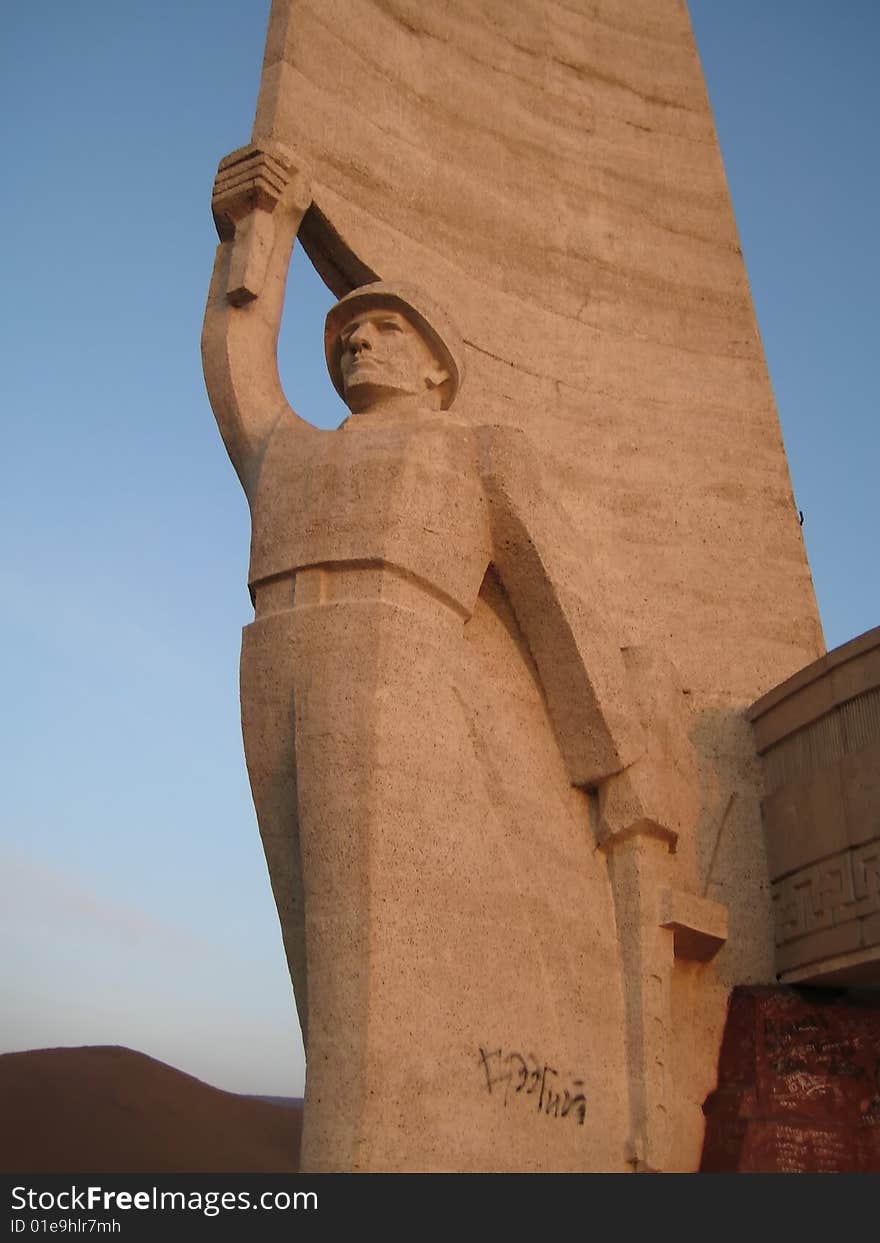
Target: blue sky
column 134, row 904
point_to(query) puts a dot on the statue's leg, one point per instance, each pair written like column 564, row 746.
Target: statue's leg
column 464, row 1000
column 268, row 714
column 370, row 688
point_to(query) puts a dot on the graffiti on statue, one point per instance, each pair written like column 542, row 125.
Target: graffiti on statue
column 512, row 1075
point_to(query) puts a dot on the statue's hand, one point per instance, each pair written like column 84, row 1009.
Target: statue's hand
column 259, row 200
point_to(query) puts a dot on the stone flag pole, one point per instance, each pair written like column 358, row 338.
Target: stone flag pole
column 508, row 617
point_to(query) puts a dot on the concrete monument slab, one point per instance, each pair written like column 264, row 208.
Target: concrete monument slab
column 493, row 694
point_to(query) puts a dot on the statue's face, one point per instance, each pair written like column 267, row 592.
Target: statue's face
column 383, row 354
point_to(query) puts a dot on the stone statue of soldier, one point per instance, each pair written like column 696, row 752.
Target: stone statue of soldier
column 376, row 550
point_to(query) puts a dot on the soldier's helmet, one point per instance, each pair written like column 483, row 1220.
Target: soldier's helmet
column 414, row 304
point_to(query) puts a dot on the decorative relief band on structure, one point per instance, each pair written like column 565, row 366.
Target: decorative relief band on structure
column 836, row 891
column 840, row 732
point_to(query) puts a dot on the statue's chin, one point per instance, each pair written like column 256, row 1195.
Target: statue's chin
column 360, row 395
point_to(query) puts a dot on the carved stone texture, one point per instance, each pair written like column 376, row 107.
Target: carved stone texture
column 819, row 738
column 798, row 1085
column 493, row 693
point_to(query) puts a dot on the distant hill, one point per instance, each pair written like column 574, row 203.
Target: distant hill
column 107, row 1109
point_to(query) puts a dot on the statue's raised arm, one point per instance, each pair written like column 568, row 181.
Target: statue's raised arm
column 259, row 200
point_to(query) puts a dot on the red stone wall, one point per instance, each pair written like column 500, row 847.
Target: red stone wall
column 798, row 1084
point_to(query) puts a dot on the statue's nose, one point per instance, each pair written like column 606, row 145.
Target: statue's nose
column 359, row 340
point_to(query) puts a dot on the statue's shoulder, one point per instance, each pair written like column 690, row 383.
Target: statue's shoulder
column 293, row 443
column 507, row 450
column 290, row 429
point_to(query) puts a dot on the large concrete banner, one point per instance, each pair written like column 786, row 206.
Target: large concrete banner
column 506, row 630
